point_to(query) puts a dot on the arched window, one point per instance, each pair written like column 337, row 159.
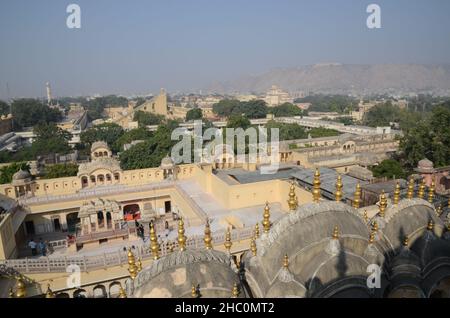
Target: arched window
column 117, row 176
column 100, row 219
column 84, row 182
column 92, row 179
column 108, row 177
column 100, row 178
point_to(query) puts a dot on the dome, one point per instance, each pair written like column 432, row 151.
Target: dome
column 305, row 235
column 99, row 144
column 167, row 163
column 425, row 166
column 21, row 175
column 174, row 275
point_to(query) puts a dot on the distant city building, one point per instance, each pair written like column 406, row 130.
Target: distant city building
column 276, row 96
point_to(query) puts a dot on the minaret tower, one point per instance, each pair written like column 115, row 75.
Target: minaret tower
column 49, row 94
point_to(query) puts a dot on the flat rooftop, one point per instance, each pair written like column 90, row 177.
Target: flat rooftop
column 241, row 176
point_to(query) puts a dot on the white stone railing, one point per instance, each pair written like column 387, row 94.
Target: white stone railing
column 118, row 258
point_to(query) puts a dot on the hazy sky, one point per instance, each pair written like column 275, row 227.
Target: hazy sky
column 138, row 46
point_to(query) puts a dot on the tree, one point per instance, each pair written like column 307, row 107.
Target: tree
column 286, row 131
column 7, row 172
column 4, row 108
column 50, row 139
column 30, row 112
column 225, row 107
column 194, row 114
column 238, row 121
column 286, row 110
column 389, row 168
column 329, row 103
column 96, row 106
column 147, row 119
column 323, row 132
column 428, row 138
column 252, row 109
column 61, row 170
column 134, row 134
column 382, row 115
column 149, row 153
column 108, row 132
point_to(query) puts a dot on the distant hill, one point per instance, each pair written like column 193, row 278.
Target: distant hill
column 346, row 79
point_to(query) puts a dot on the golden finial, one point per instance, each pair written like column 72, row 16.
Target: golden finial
column 383, row 204
column 256, row 232
column 365, row 216
column 375, row 226
column 154, row 245
column 410, row 193
column 253, row 246
column 397, row 193
column 139, row 265
column 194, row 291
column 372, row 237
column 11, row 293
column 122, row 293
column 131, row 264
column 430, row 225
column 266, row 218
column 439, row 210
column 49, row 293
column 208, row 239
column 21, row 291
column 235, row 291
column 421, row 192
column 292, row 201
column 406, row 242
column 335, row 233
column 316, row 186
column 339, row 185
column 181, row 237
column 286, row 261
column 431, row 192
column 357, row 196
column 228, row 242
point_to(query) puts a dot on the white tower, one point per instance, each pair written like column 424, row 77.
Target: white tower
column 49, row 93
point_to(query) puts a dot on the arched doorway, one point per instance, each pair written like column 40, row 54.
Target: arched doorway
column 99, row 291
column 72, row 222
column 100, row 219
column 131, row 212
column 108, row 220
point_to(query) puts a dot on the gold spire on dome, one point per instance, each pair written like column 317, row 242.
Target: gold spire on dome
column 194, row 292
column 375, row 226
column 139, row 265
column 410, row 193
column 292, row 201
column 266, row 218
column 208, row 239
column 181, row 237
column 406, row 241
column 421, row 192
column 253, row 246
column 365, row 216
column 430, row 225
column 154, row 245
column 439, row 210
column 431, row 192
column 228, row 242
column 122, row 293
column 372, row 237
column 383, row 204
column 397, row 193
column 286, row 261
column 21, row 291
column 335, row 233
column 132, row 269
column 235, row 291
column 49, row 293
column 357, row 196
column 316, row 186
column 339, row 185
column 256, row 232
